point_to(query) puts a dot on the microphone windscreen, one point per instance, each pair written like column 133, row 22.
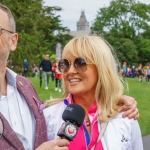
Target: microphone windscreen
column 74, row 113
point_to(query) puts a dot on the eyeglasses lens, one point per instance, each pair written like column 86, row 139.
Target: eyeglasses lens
column 63, row 65
column 80, row 64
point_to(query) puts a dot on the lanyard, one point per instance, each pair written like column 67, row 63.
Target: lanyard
column 86, row 135
column 100, row 134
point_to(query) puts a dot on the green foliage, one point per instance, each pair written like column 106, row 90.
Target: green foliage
column 36, row 25
column 53, row 57
column 125, row 49
column 143, row 46
column 122, row 23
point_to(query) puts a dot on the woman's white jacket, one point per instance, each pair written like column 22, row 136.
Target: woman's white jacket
column 120, row 134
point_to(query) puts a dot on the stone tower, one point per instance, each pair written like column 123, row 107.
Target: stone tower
column 83, row 27
column 58, row 50
column 82, row 24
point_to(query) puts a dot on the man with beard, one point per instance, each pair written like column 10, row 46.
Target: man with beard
column 21, row 119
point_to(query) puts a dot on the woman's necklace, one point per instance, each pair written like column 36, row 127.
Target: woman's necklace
column 87, row 130
column 87, row 122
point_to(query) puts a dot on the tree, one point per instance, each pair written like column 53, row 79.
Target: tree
column 143, row 46
column 122, row 22
column 36, row 25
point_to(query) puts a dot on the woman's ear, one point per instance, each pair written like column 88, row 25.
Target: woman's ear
column 14, row 41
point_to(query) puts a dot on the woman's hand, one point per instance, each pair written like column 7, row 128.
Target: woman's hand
column 58, row 144
column 129, row 107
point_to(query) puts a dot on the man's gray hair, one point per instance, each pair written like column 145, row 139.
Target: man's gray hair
column 10, row 16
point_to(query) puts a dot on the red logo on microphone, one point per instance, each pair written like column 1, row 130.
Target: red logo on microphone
column 71, row 130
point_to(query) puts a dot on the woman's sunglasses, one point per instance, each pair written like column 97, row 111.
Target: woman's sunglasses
column 79, row 64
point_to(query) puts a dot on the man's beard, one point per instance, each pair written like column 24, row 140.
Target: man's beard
column 3, row 62
column 4, row 52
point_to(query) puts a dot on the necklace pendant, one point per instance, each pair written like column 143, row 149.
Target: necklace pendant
column 87, row 123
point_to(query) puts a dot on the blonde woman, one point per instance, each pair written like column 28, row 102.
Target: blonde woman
column 90, row 79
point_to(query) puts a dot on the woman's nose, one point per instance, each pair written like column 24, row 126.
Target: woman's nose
column 72, row 69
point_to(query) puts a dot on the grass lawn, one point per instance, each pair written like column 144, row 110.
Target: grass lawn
column 45, row 94
column 139, row 90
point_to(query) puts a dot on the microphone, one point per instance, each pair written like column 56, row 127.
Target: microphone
column 73, row 116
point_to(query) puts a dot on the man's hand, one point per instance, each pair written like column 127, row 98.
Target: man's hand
column 129, row 106
column 58, row 144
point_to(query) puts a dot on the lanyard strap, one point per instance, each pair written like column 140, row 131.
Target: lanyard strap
column 86, row 135
column 100, row 134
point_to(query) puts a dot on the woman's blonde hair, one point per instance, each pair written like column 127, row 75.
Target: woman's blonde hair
column 109, row 87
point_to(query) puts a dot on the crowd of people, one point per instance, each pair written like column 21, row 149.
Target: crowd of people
column 49, row 69
column 46, row 70
column 141, row 72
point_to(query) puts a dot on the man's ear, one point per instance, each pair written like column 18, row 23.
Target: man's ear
column 14, row 41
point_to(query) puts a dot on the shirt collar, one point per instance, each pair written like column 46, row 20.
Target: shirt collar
column 11, row 77
column 68, row 100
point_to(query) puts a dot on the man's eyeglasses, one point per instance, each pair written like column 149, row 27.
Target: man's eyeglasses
column 79, row 64
column 1, row 29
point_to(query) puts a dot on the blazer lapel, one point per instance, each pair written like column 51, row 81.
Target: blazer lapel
column 10, row 135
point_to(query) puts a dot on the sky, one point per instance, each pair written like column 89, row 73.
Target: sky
column 71, row 10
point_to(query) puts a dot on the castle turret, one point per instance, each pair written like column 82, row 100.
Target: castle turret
column 83, row 27
column 82, row 24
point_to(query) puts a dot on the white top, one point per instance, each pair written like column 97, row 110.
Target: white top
column 148, row 71
column 120, row 134
column 15, row 109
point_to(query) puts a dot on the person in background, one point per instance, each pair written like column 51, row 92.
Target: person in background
column 133, row 71
column 22, row 123
column 46, row 68
column 140, row 73
column 35, row 70
column 124, row 66
column 53, row 70
column 148, row 74
column 25, row 68
column 58, row 76
column 91, row 80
